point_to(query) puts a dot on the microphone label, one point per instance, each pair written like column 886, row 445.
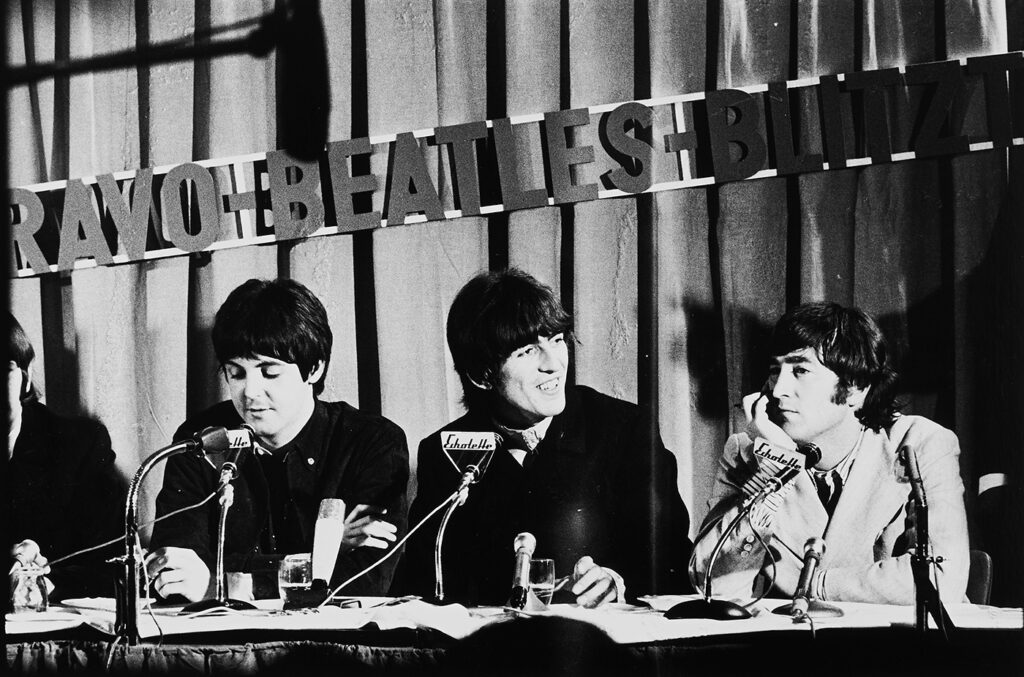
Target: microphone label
column 462, row 441
column 777, row 457
column 238, row 439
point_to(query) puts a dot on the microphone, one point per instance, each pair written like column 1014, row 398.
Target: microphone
column 524, row 546
column 212, row 441
column 470, row 453
column 804, row 605
column 781, row 466
column 777, row 468
column 814, row 549
column 304, row 85
column 327, row 537
column 914, row 474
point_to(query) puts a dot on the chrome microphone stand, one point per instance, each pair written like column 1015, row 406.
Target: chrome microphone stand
column 220, row 600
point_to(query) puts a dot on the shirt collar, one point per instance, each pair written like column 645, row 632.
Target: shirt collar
column 519, row 443
column 844, row 467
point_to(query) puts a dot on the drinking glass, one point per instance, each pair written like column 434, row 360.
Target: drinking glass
column 294, row 576
column 542, row 578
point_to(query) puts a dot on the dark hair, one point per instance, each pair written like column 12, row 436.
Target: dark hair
column 849, row 343
column 494, row 314
column 278, row 318
column 22, row 353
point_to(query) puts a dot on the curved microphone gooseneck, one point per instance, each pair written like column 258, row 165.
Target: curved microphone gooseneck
column 471, row 475
column 126, row 622
column 720, row 609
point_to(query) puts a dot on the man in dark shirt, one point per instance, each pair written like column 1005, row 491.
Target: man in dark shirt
column 583, row 472
column 273, row 342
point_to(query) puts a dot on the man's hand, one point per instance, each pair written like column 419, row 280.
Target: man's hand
column 759, row 424
column 178, row 571
column 365, row 528
column 594, row 585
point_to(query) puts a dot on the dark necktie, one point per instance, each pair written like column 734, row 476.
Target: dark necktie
column 830, row 486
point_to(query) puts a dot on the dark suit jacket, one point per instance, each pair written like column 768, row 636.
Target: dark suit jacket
column 65, row 493
column 340, row 453
column 592, row 490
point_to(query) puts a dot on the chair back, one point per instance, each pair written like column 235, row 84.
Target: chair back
column 979, row 580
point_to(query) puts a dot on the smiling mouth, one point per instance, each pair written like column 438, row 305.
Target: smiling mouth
column 550, row 386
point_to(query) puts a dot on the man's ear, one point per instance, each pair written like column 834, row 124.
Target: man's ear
column 26, row 382
column 316, row 372
column 481, row 383
column 856, row 396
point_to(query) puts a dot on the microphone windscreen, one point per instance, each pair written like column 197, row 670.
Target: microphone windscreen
column 327, row 537
column 815, row 546
column 525, row 542
column 213, row 438
column 331, row 508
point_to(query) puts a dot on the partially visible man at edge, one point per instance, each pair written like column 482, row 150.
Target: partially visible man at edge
column 63, row 491
column 273, row 342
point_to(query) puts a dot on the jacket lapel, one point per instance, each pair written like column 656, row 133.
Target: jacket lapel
column 869, row 500
column 800, row 517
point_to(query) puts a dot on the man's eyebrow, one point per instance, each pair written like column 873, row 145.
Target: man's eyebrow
column 261, row 363
column 788, row 359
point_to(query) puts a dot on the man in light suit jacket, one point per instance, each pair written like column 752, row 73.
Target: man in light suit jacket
column 831, row 385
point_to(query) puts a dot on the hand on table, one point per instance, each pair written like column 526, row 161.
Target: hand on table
column 594, row 585
column 365, row 528
column 178, row 571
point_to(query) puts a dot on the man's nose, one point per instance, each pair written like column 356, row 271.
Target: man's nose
column 550, row 360
column 782, row 384
column 252, row 387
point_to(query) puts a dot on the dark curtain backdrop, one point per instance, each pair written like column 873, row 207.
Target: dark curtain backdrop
column 933, row 248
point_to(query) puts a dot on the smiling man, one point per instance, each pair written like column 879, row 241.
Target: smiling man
column 273, row 342
column 574, row 467
column 831, row 385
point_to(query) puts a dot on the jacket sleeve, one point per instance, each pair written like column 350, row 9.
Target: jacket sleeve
column 890, row 578
column 741, row 557
column 653, row 522
column 187, row 481
column 380, row 477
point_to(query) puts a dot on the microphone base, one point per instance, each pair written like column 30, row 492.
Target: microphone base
column 712, row 609
column 210, row 604
column 815, row 609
